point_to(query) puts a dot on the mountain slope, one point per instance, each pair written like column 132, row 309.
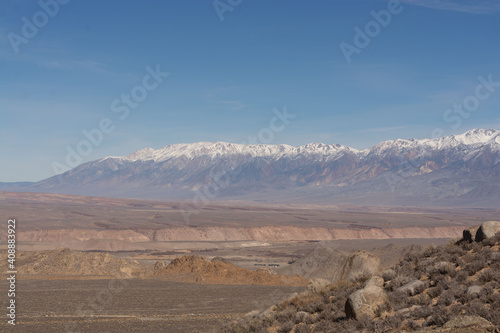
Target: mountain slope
column 457, row 169
column 447, row 288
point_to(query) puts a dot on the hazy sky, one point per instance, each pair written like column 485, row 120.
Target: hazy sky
column 66, row 68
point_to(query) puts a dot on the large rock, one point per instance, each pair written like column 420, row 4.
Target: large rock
column 333, row 265
column 462, row 324
column 487, row 230
column 412, row 288
column 366, row 301
column 360, row 264
column 474, row 290
column 376, row 281
column 469, row 322
column 469, row 234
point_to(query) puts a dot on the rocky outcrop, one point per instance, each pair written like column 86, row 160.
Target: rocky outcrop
column 469, row 234
column 359, row 264
column 333, row 265
column 412, row 288
column 480, row 232
column 472, row 322
column 367, row 301
column 487, row 230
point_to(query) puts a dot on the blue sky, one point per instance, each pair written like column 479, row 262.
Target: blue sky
column 226, row 77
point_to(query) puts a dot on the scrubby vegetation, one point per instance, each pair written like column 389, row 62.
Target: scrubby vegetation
column 461, row 279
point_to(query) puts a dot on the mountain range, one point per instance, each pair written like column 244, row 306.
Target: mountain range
column 456, row 170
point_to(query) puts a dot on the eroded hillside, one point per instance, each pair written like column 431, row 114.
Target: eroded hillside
column 451, row 288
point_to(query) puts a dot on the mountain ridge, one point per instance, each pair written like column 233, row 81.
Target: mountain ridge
column 452, row 170
column 475, row 136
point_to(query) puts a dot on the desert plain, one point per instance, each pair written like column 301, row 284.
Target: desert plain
column 91, row 264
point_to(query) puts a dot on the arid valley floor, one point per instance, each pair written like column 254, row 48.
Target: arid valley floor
column 91, row 264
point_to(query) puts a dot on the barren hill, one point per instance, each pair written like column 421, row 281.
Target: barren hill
column 193, row 268
column 65, row 262
column 333, row 265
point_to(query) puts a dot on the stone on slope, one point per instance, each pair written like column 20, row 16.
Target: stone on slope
column 360, row 264
column 468, row 321
column 474, row 290
column 412, row 288
column 487, row 230
column 332, row 265
column 366, row 301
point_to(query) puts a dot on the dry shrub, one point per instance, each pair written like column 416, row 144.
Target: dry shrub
column 286, row 327
column 487, row 276
column 447, row 298
column 398, row 300
column 287, row 315
column 461, row 276
column 412, row 325
column 474, row 266
column 398, row 281
column 303, row 328
column 435, row 291
column 422, row 312
column 438, row 317
column 389, row 274
column 300, row 301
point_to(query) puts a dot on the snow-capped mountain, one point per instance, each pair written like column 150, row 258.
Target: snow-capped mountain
column 438, row 171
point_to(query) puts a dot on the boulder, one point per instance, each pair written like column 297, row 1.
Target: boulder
column 407, row 311
column 376, row 281
column 366, row 301
column 359, row 264
column 332, row 265
column 468, row 321
column 412, row 288
column 473, row 290
column 487, row 230
column 469, row 234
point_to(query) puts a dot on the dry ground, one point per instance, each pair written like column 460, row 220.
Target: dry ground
column 57, row 211
column 134, row 305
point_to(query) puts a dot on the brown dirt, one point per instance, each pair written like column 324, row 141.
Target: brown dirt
column 194, row 268
column 65, row 262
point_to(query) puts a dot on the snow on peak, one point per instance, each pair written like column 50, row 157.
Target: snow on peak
column 143, row 154
column 219, row 149
column 475, row 136
column 213, row 150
